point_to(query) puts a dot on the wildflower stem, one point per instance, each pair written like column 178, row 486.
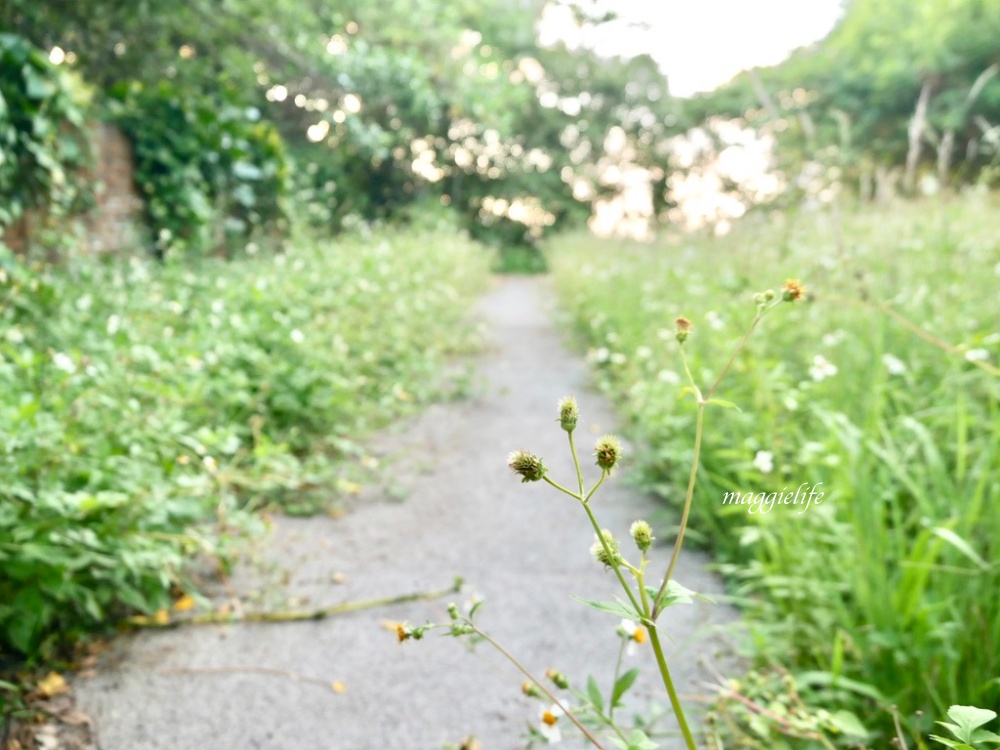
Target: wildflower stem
column 687, row 509
column 590, row 494
column 561, row 488
column 510, row 657
column 675, row 702
column 576, row 463
column 737, row 350
column 611, row 558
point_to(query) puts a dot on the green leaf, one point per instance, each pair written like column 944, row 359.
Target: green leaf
column 637, row 740
column 686, row 390
column 615, row 608
column 848, row 724
column 962, row 546
column 951, row 743
column 724, row 404
column 622, row 684
column 826, row 679
column 967, row 719
column 594, row 694
column 36, row 85
column 675, row 593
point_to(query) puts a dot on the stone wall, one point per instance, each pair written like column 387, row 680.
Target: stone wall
column 114, row 223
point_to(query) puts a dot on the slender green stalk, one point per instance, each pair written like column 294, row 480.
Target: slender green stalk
column 537, row 683
column 614, row 566
column 687, row 508
column 614, row 681
column 561, row 488
column 576, row 463
column 675, row 702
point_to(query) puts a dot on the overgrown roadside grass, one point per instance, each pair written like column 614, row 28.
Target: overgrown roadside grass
column 885, row 592
column 145, row 410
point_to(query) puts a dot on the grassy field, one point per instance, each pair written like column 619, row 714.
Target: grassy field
column 881, row 390
column 145, row 409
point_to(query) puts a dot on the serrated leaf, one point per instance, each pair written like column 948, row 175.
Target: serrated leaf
column 675, row 593
column 615, row 608
column 967, row 719
column 951, row 743
column 622, row 684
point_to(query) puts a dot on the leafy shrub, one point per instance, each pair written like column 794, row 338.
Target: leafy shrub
column 40, row 144
column 144, row 408
column 204, row 162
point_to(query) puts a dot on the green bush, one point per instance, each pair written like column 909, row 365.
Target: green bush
column 145, row 408
column 212, row 173
column 40, row 143
column 891, row 580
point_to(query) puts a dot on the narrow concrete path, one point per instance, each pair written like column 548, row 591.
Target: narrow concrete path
column 524, row 548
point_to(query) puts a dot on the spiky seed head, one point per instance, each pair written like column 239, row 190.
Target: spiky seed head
column 642, row 534
column 601, row 554
column 569, row 413
column 527, row 465
column 608, row 452
column 793, row 291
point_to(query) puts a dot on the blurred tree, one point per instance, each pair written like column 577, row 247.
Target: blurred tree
column 383, row 103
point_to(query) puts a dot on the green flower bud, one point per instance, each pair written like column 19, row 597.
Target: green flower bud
column 527, row 465
column 682, row 329
column 558, row 678
column 608, row 452
column 642, row 534
column 453, row 611
column 568, row 413
column 530, row 689
column 601, row 555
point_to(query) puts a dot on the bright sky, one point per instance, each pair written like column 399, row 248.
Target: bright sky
column 701, row 44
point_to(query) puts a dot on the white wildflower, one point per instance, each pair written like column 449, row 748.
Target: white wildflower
column 635, row 633
column 63, row 362
column 977, row 355
column 893, row 364
column 668, row 376
column 548, row 725
column 833, row 338
column 764, row 462
column 600, row 355
column 821, row 368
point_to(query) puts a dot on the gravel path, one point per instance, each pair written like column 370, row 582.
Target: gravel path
column 524, row 548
